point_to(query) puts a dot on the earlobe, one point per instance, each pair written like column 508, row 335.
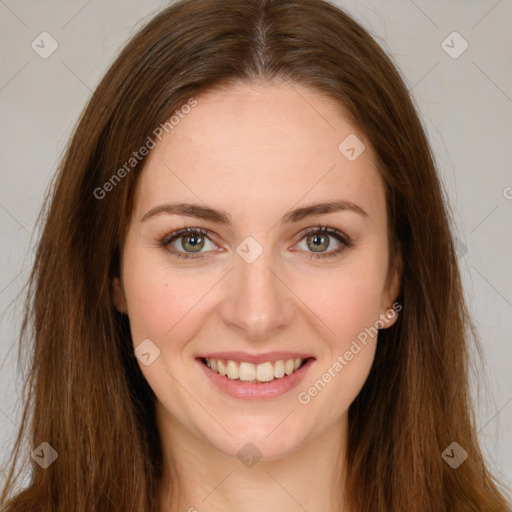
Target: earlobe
column 390, row 316
column 118, row 296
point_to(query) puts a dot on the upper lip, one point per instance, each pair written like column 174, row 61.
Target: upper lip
column 255, row 358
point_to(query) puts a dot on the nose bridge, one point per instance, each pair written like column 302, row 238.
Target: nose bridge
column 258, row 301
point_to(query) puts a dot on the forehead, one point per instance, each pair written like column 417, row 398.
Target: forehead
column 265, row 147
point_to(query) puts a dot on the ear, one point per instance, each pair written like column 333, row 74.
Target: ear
column 118, row 295
column 390, row 307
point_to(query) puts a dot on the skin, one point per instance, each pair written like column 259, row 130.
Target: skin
column 256, row 151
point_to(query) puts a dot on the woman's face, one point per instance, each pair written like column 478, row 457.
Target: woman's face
column 261, row 284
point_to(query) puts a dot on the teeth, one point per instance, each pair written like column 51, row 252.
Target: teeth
column 248, row 372
column 221, row 368
column 265, row 372
column 232, row 370
column 279, row 369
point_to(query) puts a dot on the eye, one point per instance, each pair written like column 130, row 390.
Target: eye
column 319, row 239
column 189, row 240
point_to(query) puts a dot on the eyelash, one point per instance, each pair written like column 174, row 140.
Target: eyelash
column 166, row 240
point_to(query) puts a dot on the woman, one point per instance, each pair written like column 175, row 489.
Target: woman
column 238, row 300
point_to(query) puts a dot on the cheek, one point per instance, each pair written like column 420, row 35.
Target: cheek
column 355, row 310
column 349, row 307
column 334, row 386
column 166, row 307
column 347, row 303
column 161, row 302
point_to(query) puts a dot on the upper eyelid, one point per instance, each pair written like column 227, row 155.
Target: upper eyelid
column 178, row 233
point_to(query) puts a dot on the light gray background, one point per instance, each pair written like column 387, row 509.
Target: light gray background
column 465, row 104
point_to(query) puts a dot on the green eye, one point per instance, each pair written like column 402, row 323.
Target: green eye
column 317, row 243
column 318, row 240
column 190, row 242
column 193, row 240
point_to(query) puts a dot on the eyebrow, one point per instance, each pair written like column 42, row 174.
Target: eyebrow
column 206, row 213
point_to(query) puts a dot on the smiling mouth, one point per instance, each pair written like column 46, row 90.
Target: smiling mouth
column 255, row 373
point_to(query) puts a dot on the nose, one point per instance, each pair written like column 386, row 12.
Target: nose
column 258, row 303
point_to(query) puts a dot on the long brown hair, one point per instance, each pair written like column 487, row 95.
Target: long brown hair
column 85, row 394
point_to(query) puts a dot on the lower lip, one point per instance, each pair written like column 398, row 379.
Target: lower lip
column 254, row 390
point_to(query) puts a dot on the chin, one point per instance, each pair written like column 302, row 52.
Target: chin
column 268, row 437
